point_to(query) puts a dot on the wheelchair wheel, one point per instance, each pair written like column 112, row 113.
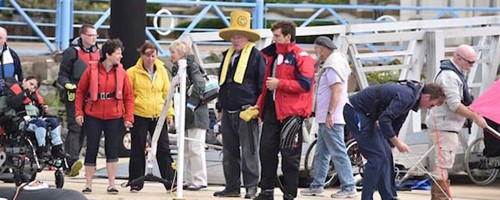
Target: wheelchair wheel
column 331, row 177
column 21, row 177
column 357, row 162
column 59, row 176
column 473, row 155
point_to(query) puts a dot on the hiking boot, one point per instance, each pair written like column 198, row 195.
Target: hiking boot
column 75, row 168
column 227, row 193
column 265, row 195
column 251, row 192
column 345, row 194
column 318, row 191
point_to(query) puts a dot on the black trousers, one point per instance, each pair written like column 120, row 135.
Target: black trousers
column 269, row 148
column 75, row 136
column 137, row 162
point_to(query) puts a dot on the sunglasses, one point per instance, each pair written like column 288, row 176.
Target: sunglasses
column 470, row 62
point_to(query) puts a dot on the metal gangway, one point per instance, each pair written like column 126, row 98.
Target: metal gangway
column 418, row 45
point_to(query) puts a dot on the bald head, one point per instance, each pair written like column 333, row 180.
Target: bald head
column 3, row 36
column 465, row 57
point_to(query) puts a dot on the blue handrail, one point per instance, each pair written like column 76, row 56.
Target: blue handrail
column 63, row 23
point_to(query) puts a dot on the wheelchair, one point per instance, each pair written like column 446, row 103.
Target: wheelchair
column 18, row 160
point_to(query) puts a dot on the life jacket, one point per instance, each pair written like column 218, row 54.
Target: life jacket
column 87, row 56
column 17, row 90
column 94, row 81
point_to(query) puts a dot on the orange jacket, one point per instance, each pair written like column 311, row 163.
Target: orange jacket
column 107, row 104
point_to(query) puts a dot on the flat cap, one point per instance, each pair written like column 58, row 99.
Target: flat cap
column 325, row 42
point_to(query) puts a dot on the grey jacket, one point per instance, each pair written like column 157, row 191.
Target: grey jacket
column 196, row 82
column 446, row 118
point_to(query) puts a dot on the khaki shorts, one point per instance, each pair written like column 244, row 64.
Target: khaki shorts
column 448, row 141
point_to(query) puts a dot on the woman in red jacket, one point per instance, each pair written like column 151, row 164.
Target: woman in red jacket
column 106, row 91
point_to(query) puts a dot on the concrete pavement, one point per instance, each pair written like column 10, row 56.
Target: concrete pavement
column 462, row 189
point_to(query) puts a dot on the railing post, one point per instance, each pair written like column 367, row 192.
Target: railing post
column 258, row 17
column 66, row 19
column 59, row 26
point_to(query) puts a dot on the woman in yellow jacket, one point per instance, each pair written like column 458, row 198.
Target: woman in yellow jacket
column 150, row 82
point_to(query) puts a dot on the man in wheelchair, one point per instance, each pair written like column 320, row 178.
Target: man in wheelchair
column 30, row 109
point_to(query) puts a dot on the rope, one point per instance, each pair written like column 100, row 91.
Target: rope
column 440, row 160
column 421, row 167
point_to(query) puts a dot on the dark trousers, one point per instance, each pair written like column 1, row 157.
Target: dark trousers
column 491, row 142
column 75, row 136
column 137, row 162
column 269, row 148
column 94, row 128
column 245, row 134
column 379, row 169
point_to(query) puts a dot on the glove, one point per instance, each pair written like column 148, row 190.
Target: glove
column 70, row 91
column 249, row 113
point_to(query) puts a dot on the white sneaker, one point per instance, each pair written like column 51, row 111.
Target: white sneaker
column 345, row 194
column 319, row 191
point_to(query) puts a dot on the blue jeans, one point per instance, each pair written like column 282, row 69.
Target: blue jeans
column 39, row 127
column 330, row 145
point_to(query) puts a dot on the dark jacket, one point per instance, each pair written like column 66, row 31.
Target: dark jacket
column 196, row 83
column 72, row 66
column 10, row 69
column 388, row 103
column 232, row 95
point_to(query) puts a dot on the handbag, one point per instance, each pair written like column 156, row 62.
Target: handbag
column 211, row 88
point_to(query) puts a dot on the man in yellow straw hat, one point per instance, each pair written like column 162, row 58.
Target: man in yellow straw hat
column 241, row 80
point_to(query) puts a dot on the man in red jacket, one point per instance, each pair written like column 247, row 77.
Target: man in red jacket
column 285, row 100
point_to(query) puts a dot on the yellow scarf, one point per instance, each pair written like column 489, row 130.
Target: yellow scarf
column 242, row 64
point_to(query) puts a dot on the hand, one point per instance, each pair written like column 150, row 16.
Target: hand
column 45, row 108
column 79, row 120
column 128, row 124
column 170, row 123
column 403, row 147
column 479, row 120
column 272, row 83
column 329, row 121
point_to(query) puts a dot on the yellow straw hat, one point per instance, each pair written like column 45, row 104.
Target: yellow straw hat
column 240, row 24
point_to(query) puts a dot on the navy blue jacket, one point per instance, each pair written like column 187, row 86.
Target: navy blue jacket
column 388, row 103
column 11, row 69
column 232, row 96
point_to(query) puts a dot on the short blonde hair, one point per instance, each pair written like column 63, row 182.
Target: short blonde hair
column 180, row 47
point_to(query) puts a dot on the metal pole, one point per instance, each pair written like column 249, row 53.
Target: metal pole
column 258, row 19
column 182, row 128
column 58, row 24
column 66, row 23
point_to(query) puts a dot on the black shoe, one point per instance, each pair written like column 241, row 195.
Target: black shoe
column 41, row 152
column 87, row 190
column 226, row 193
column 265, row 195
column 251, row 192
column 288, row 197
column 57, row 151
column 112, row 190
column 135, row 188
